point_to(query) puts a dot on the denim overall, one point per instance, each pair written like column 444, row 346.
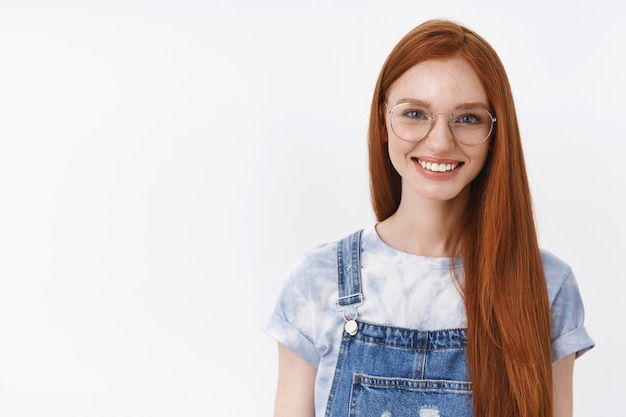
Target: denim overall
column 384, row 371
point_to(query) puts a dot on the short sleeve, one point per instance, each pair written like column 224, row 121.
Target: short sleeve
column 568, row 332
column 285, row 324
column 299, row 318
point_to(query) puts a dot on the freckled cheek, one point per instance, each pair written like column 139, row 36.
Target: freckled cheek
column 399, row 152
column 479, row 157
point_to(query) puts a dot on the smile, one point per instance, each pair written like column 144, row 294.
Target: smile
column 435, row 167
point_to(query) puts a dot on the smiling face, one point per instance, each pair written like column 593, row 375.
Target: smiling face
column 437, row 167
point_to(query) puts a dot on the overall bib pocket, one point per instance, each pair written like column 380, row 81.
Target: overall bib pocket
column 374, row 396
column 393, row 372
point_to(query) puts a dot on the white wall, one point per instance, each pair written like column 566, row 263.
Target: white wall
column 162, row 163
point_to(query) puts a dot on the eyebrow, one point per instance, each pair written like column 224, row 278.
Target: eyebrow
column 429, row 105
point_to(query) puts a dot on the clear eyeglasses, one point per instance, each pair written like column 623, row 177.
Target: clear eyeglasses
column 413, row 122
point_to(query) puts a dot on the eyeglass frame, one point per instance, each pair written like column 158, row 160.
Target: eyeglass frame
column 450, row 123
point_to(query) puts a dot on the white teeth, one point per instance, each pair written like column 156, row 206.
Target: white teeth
column 435, row 167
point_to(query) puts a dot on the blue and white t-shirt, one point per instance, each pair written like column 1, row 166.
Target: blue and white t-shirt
column 399, row 290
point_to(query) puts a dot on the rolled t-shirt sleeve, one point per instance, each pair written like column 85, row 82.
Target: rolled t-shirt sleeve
column 287, row 324
column 568, row 332
column 301, row 312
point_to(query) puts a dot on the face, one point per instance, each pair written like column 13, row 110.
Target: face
column 437, row 167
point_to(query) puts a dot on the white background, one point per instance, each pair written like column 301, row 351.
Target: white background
column 162, row 163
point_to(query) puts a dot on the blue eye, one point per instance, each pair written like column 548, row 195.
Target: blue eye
column 415, row 114
column 470, row 117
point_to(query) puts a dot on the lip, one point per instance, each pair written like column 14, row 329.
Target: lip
column 437, row 175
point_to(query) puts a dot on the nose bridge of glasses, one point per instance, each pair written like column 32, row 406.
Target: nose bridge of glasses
column 450, row 122
column 442, row 113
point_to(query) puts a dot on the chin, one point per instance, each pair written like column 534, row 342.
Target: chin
column 444, row 193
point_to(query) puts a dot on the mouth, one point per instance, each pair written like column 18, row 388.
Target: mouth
column 438, row 167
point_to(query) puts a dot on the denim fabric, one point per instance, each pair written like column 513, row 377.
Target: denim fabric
column 395, row 372
column 399, row 290
column 398, row 372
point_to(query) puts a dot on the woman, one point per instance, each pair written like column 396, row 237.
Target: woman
column 445, row 307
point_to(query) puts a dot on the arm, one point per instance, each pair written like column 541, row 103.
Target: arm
column 562, row 381
column 296, row 383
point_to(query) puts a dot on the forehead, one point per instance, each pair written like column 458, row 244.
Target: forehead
column 445, row 82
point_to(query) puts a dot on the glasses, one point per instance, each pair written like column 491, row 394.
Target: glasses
column 413, row 122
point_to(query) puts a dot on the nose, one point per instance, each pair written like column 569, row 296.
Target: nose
column 440, row 138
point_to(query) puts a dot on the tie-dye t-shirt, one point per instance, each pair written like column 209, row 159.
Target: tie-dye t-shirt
column 400, row 290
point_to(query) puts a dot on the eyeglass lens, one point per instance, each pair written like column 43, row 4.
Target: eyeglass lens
column 413, row 122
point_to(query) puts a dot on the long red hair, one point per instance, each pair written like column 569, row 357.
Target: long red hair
column 508, row 313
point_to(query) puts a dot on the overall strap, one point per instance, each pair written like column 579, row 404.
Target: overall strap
column 349, row 279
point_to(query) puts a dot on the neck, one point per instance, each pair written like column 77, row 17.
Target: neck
column 424, row 227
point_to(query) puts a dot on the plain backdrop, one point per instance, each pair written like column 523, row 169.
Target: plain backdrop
column 162, row 163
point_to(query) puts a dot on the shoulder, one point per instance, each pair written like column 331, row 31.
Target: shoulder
column 318, row 260
column 552, row 264
column 314, row 275
column 558, row 274
column 554, row 268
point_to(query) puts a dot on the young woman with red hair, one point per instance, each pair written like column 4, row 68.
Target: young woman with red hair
column 446, row 306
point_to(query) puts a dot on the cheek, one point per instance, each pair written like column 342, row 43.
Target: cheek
column 479, row 158
column 398, row 153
